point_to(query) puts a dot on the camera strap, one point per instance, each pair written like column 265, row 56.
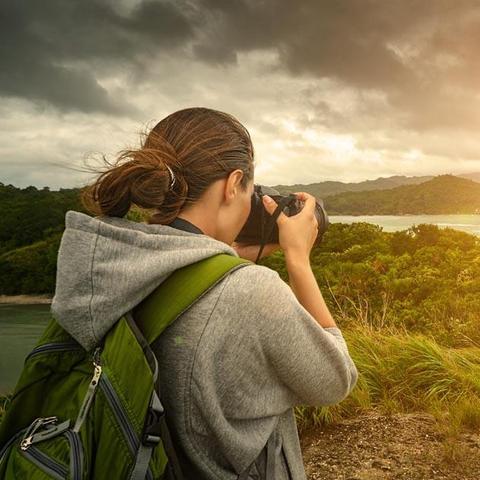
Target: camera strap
column 265, row 235
column 185, row 225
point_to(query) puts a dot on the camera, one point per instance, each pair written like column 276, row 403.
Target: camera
column 261, row 227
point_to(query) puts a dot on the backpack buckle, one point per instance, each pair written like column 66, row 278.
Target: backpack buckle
column 153, row 422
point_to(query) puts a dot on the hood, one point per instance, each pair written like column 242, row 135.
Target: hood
column 107, row 265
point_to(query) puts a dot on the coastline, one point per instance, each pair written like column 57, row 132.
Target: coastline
column 476, row 214
column 25, row 299
column 468, row 223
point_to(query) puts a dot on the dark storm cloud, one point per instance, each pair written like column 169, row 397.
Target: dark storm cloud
column 344, row 39
column 50, row 51
column 420, row 53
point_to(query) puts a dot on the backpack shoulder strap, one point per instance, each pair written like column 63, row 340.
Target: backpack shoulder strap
column 180, row 290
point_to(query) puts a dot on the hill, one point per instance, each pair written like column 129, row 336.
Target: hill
column 28, row 215
column 325, row 189
column 475, row 176
column 328, row 188
column 445, row 194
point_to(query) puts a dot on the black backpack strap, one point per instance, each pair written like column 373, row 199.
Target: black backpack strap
column 268, row 461
column 246, row 473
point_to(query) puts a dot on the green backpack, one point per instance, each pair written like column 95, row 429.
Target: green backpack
column 76, row 414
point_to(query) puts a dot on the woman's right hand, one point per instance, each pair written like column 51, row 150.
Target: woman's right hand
column 297, row 233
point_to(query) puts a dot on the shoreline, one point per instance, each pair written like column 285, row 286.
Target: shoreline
column 25, row 299
column 476, row 215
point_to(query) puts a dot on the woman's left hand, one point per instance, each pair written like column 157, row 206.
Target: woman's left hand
column 250, row 252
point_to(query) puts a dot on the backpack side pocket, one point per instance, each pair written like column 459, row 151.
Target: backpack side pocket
column 44, row 453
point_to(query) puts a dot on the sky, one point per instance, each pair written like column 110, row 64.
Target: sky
column 343, row 90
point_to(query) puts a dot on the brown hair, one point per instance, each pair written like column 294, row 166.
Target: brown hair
column 199, row 144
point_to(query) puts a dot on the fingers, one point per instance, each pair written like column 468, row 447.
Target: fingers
column 310, row 201
column 308, row 207
column 270, row 205
column 305, row 197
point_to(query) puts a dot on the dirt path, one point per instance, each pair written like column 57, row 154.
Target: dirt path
column 401, row 446
column 25, row 299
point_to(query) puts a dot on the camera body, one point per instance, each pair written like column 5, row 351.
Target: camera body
column 261, row 227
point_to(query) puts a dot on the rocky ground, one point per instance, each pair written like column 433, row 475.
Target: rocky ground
column 400, row 446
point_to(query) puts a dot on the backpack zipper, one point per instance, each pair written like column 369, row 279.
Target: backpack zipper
column 45, row 463
column 50, row 347
column 3, row 451
column 128, row 431
column 119, row 412
column 57, row 346
column 36, row 456
column 77, row 455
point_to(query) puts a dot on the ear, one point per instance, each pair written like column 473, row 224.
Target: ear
column 232, row 185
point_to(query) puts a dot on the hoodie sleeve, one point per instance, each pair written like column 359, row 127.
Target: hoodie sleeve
column 310, row 364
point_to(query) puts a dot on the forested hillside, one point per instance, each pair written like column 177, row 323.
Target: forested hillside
column 327, row 188
column 445, row 194
column 28, row 215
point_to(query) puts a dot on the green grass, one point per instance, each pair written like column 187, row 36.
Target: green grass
column 402, row 372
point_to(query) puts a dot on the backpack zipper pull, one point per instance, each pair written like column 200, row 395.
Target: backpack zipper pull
column 97, row 367
column 87, row 400
column 34, row 426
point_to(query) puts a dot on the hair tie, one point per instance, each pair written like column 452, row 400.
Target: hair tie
column 172, row 175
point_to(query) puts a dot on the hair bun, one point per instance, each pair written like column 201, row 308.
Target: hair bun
column 178, row 160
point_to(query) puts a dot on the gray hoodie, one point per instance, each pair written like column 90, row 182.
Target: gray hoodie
column 232, row 366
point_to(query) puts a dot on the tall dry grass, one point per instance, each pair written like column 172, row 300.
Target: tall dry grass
column 404, row 372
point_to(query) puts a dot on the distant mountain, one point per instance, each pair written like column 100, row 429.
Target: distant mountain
column 325, row 189
column 475, row 176
column 444, row 194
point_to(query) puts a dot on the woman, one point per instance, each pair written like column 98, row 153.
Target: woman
column 235, row 363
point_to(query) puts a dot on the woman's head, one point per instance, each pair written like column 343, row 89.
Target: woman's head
column 210, row 153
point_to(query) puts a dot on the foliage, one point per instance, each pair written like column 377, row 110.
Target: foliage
column 30, row 269
column 423, row 279
column 28, row 215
